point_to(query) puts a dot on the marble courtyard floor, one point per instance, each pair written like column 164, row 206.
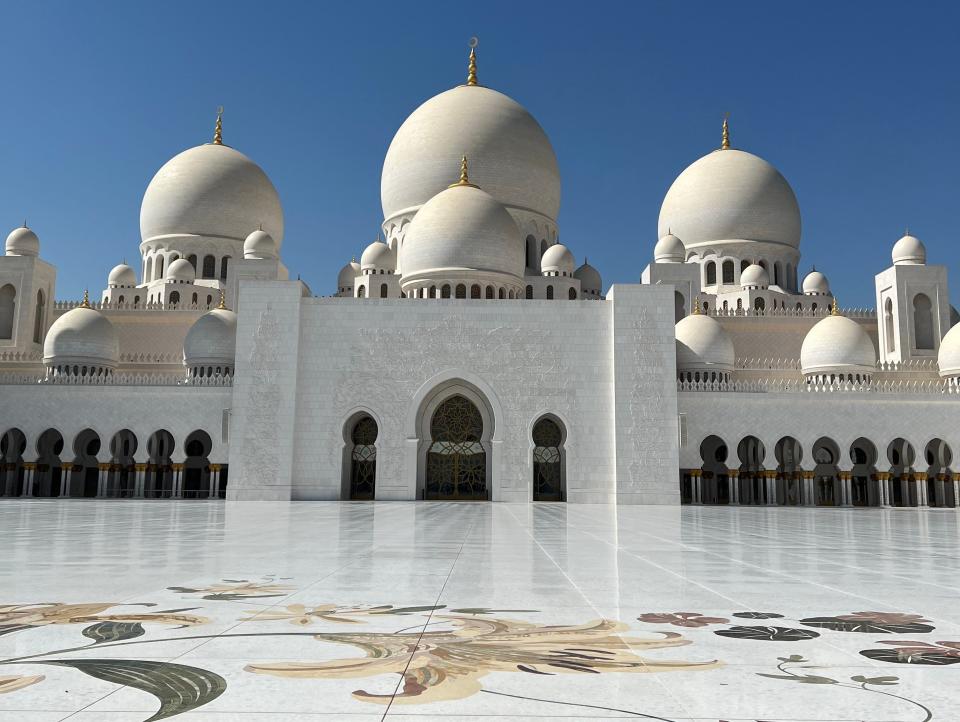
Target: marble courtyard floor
column 139, row 611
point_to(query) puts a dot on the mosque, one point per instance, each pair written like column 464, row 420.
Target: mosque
column 468, row 356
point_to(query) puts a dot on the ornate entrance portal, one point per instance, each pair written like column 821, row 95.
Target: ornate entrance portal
column 456, row 460
column 363, row 459
column 547, row 461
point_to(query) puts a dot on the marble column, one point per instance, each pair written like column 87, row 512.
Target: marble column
column 177, row 481
column 29, row 468
column 809, row 495
column 102, row 480
column 956, row 490
column 846, row 488
column 214, row 480
column 139, row 480
column 770, row 488
column 940, row 490
column 734, row 475
column 695, row 488
column 920, row 482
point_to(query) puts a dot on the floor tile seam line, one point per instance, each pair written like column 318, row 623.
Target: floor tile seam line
column 423, row 629
column 657, row 679
column 724, row 596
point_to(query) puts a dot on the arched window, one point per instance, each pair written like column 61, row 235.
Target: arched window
column 543, row 247
column 209, row 300
column 192, row 259
column 679, row 306
column 383, row 290
column 489, row 292
column 174, row 298
column 361, row 291
column 461, row 290
column 711, row 273
column 788, row 279
column 531, row 249
column 456, row 459
column 529, row 293
column 923, row 321
column 549, row 293
column 194, row 300
column 888, row 331
column 547, row 461
column 363, row 459
column 762, row 264
column 224, row 262
column 445, row 291
column 728, row 271
column 501, row 294
column 572, row 294
column 777, row 280
column 209, row 266
column 433, row 291
column 119, row 302
column 475, row 291
column 158, row 273
column 744, row 265
column 758, row 304
column 8, row 295
column 40, row 317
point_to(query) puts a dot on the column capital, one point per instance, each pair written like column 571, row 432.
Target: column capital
column 770, row 473
column 104, row 467
column 807, row 474
column 733, row 473
column 30, row 465
column 920, row 476
column 177, row 467
column 883, row 475
column 140, row 467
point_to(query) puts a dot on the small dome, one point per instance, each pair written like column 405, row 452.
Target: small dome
column 754, row 276
column 181, row 271
column 589, row 277
column 82, row 337
column 816, row 284
column 348, row 275
column 909, row 251
column 122, row 276
column 23, row 242
column 462, row 229
column 259, row 245
column 212, row 339
column 948, row 358
column 557, row 259
column 669, row 249
column 703, row 345
column 378, row 256
column 837, row 344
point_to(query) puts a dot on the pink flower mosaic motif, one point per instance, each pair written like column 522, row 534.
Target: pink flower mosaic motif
column 681, row 619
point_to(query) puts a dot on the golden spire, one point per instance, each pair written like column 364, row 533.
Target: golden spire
column 696, row 306
column 464, row 178
column 218, row 128
column 835, row 308
column 725, row 142
column 223, row 301
column 86, row 299
column 472, row 65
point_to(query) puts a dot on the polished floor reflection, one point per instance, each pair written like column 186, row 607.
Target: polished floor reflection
column 439, row 610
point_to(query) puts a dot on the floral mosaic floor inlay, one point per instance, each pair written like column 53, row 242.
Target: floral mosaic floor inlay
column 146, row 611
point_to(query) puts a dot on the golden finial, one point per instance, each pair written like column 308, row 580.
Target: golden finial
column 835, row 308
column 223, row 301
column 472, row 65
column 696, row 306
column 354, row 259
column 464, row 177
column 218, row 128
column 725, row 142
column 86, row 299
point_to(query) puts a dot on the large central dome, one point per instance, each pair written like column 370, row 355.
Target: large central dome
column 731, row 195
column 211, row 190
column 510, row 155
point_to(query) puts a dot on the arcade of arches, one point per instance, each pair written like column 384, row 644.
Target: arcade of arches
column 48, row 467
column 862, row 475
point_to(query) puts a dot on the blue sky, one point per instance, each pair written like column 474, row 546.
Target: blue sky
column 857, row 104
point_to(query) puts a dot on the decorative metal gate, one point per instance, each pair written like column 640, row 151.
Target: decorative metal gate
column 547, row 461
column 363, row 463
column 456, row 460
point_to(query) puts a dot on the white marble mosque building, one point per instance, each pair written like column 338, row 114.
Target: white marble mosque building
column 468, row 355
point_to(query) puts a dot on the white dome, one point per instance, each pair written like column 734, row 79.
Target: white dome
column 837, row 344
column 510, row 155
column 816, row 284
column 589, row 278
column 181, row 271
column 754, row 276
column 909, row 250
column 22, row 242
column 211, row 190
column 348, row 275
column 948, row 358
column 462, row 229
column 557, row 259
column 259, row 245
column 212, row 339
column 731, row 195
column 703, row 345
column 378, row 256
column 122, row 276
column 669, row 249
column 84, row 337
